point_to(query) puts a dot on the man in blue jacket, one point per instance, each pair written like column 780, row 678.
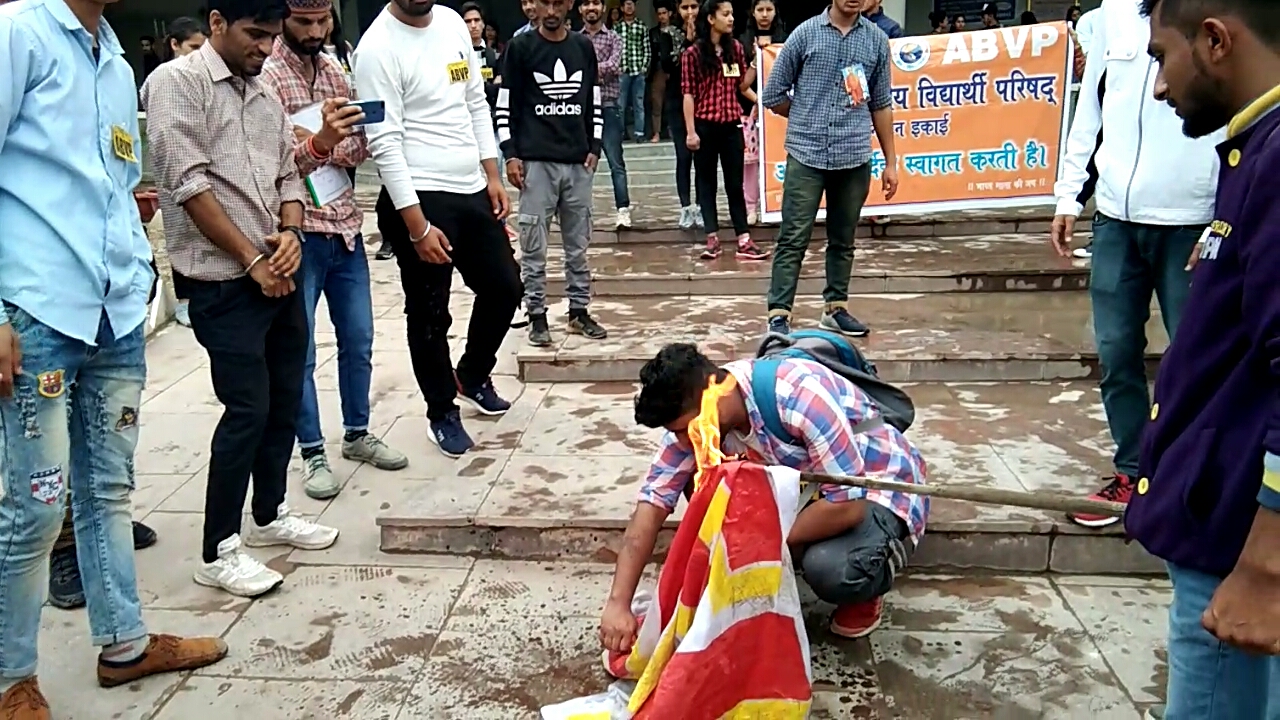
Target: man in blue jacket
column 1208, row 496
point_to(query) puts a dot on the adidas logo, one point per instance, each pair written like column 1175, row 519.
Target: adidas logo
column 561, row 85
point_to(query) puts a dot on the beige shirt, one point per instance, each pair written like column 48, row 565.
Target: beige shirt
column 209, row 130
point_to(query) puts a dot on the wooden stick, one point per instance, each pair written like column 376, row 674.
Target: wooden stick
column 985, row 495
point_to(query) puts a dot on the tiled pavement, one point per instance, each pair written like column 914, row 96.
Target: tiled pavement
column 359, row 633
column 363, row 634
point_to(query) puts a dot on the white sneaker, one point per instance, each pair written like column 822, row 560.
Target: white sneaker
column 686, row 217
column 697, row 217
column 237, row 572
column 292, row 530
column 624, row 218
column 753, row 217
column 182, row 314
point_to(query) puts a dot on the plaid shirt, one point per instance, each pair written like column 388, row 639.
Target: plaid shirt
column 211, row 131
column 715, row 96
column 823, row 130
column 285, row 75
column 609, row 61
column 820, row 408
column 635, row 47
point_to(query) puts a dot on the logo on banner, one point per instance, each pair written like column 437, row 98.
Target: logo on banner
column 910, row 56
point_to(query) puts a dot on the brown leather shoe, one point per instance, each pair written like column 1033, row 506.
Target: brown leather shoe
column 165, row 653
column 24, row 702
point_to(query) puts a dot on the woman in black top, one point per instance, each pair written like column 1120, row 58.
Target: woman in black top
column 672, row 45
column 764, row 28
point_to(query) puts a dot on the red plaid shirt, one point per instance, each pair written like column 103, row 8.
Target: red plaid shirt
column 283, row 72
column 715, row 96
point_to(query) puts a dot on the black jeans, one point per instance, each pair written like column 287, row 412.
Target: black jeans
column 482, row 253
column 684, row 156
column 257, row 354
column 722, row 142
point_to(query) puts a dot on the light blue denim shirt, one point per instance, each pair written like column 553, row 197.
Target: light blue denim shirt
column 71, row 239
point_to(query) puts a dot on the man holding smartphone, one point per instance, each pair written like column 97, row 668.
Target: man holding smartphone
column 333, row 257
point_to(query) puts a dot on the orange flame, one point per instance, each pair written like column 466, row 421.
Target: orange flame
column 704, row 430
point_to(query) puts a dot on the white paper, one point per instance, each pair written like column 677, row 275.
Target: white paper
column 328, row 183
column 309, row 118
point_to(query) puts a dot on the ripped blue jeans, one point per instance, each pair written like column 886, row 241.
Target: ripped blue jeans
column 56, row 436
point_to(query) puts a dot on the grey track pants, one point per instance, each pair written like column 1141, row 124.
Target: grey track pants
column 563, row 190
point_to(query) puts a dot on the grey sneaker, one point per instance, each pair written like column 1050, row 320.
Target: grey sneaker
column 370, row 449
column 581, row 323
column 841, row 321
column 1155, row 712
column 539, row 330
column 182, row 314
column 320, row 483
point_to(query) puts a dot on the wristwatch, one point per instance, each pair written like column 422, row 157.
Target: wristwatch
column 296, row 231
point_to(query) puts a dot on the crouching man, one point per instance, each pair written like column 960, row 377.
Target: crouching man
column 849, row 542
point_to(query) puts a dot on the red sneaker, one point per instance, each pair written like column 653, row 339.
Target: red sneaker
column 1120, row 489
column 855, row 621
column 713, row 248
column 748, row 250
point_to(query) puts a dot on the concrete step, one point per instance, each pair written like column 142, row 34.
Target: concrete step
column 557, row 479
column 998, row 263
column 921, row 337
column 655, row 211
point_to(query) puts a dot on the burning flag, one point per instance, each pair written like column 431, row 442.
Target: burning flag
column 724, row 638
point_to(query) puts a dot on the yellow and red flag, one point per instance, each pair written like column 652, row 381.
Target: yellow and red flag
column 725, row 637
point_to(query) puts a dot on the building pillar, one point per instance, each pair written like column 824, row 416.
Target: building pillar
column 896, row 9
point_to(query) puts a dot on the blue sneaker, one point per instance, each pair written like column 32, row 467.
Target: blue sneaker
column 483, row 398
column 842, row 322
column 449, row 435
column 780, row 324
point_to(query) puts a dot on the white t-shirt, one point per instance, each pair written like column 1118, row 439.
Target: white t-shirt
column 438, row 127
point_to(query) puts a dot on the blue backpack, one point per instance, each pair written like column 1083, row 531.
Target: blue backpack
column 839, row 355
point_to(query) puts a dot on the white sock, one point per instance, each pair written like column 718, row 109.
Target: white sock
column 126, row 651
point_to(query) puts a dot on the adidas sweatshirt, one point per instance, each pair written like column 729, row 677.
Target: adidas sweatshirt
column 549, row 106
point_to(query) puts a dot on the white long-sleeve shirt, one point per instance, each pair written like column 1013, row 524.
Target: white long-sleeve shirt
column 438, row 127
column 1149, row 172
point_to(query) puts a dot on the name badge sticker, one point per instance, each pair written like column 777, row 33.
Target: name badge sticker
column 122, row 144
column 486, row 73
column 731, row 70
column 459, row 71
column 855, row 84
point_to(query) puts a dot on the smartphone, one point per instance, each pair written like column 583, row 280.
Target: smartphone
column 375, row 111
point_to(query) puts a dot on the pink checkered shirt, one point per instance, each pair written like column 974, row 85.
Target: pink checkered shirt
column 285, row 75
column 819, row 408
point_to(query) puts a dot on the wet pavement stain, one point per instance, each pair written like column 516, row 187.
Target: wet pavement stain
column 348, row 703
column 477, row 467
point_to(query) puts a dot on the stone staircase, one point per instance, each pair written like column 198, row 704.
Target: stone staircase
column 989, row 331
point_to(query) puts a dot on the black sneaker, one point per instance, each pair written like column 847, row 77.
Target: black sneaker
column 143, row 536
column 483, row 398
column 66, row 590
column 842, row 322
column 581, row 323
column 449, row 435
column 385, row 252
column 539, row 331
column 780, row 324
